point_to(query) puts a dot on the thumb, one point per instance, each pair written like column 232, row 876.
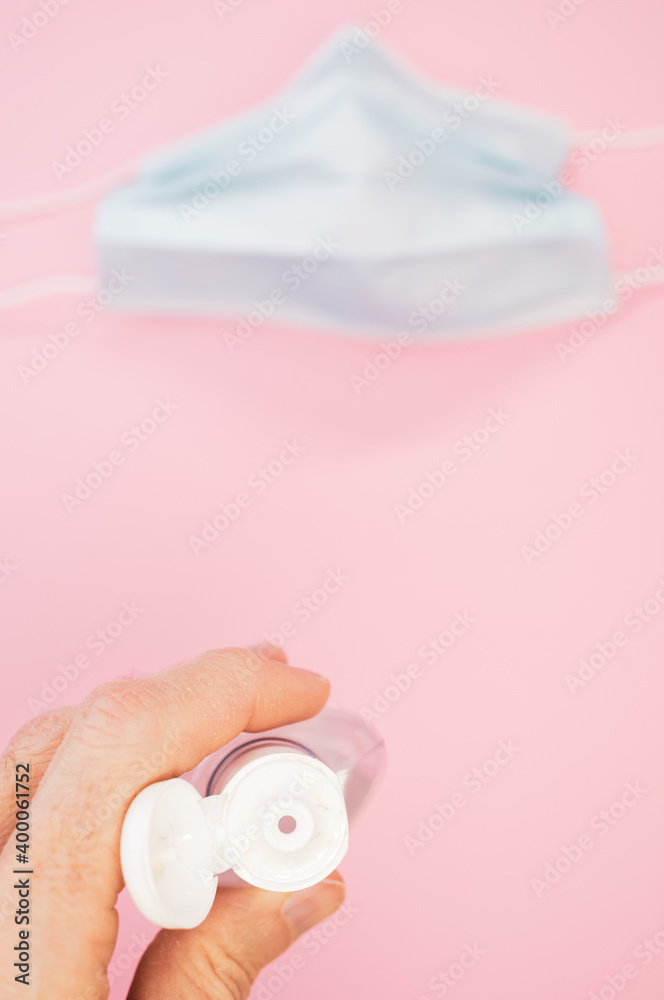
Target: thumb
column 246, row 929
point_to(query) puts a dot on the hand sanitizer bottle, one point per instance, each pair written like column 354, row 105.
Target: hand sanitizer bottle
column 273, row 807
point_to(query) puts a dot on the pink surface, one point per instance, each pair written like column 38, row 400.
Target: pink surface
column 473, row 883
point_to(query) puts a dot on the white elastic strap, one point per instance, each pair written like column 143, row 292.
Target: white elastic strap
column 655, row 277
column 58, row 201
column 633, row 138
column 50, row 284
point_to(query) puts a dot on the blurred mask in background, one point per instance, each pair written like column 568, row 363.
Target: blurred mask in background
column 362, row 199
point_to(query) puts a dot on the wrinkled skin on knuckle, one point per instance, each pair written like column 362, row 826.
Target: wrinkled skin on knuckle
column 119, row 711
column 34, row 739
column 238, row 663
column 245, row 665
column 242, row 669
column 8, row 763
column 202, row 969
column 217, row 971
column 44, row 726
column 32, row 743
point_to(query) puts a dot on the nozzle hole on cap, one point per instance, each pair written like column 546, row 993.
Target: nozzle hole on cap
column 287, row 824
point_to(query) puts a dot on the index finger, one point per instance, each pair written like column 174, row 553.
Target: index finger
column 134, row 732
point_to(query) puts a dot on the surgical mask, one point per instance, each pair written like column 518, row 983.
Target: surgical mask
column 365, row 199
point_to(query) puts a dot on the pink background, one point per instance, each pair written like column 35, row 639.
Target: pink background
column 334, row 508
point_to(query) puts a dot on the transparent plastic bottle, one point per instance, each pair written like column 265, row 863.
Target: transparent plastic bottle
column 273, row 807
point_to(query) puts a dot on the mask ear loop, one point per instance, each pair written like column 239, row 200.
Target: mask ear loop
column 647, row 137
column 640, row 277
column 654, row 277
column 60, row 201
column 50, row 284
column 50, row 204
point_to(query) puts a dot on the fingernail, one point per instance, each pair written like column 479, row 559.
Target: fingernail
column 312, row 673
column 309, row 906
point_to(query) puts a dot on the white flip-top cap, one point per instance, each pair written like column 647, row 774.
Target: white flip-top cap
column 280, row 823
column 167, row 852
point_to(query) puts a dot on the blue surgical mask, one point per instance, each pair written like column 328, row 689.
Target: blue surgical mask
column 367, row 200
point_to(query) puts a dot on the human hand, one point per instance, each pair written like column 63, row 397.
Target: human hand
column 87, row 763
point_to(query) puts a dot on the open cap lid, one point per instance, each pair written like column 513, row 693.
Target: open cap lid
column 280, row 822
column 167, row 854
